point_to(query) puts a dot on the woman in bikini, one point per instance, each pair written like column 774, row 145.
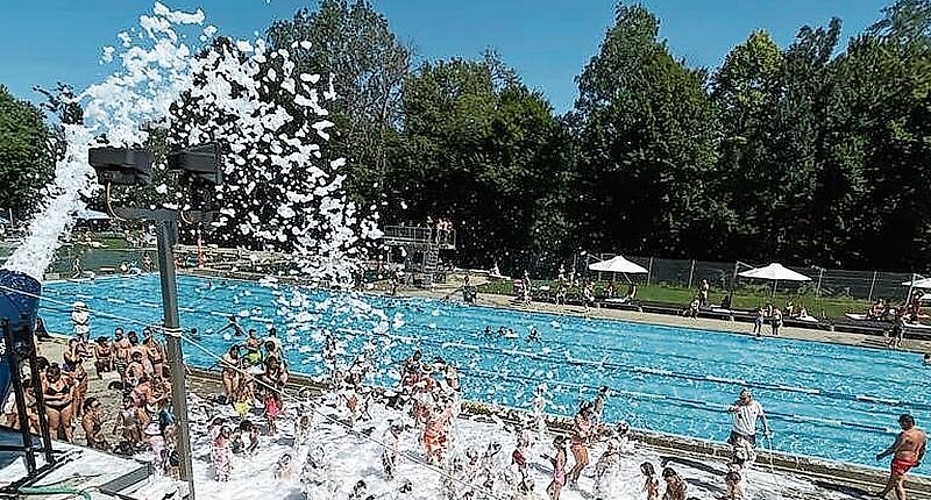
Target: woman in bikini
column 581, row 435
column 154, row 352
column 559, row 468
column 59, row 397
column 103, row 356
column 231, row 362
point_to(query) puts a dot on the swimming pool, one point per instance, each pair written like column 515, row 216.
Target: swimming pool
column 824, row 400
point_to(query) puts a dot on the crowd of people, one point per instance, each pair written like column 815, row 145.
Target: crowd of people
column 254, row 374
column 143, row 423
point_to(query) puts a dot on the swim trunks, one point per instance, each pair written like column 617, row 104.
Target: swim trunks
column 900, row 466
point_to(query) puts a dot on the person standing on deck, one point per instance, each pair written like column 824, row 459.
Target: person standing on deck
column 703, row 293
column 908, row 450
column 746, row 411
column 776, row 321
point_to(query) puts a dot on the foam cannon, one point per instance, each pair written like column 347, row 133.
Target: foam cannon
column 19, row 301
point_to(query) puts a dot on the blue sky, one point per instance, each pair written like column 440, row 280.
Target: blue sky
column 547, row 41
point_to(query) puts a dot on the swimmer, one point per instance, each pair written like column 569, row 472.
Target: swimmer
column 534, row 336
column 927, row 360
column 234, row 324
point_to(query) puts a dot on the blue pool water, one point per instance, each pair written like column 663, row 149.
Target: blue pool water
column 824, row 400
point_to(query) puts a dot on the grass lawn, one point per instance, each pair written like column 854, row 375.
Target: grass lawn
column 744, row 299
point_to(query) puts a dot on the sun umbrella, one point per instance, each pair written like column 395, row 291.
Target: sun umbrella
column 617, row 265
column 775, row 273
column 924, row 284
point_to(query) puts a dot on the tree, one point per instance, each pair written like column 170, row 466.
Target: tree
column 354, row 43
column 744, row 93
column 878, row 174
column 26, row 161
column 645, row 128
column 478, row 148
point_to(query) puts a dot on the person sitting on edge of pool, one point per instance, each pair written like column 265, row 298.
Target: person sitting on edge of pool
column 746, row 411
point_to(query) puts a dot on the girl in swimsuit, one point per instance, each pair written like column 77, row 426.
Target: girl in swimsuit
column 130, row 422
column 675, row 485
column 650, row 484
column 80, row 378
column 274, row 379
column 103, row 355
column 559, row 468
column 59, row 395
column 220, row 454
column 134, row 372
column 581, row 434
column 71, row 355
column 231, row 363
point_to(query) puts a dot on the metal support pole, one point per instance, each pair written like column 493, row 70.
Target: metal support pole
column 167, row 233
column 733, row 284
column 872, row 287
column 691, row 274
column 13, row 359
column 650, row 272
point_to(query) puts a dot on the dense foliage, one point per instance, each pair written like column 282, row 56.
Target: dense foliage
column 25, row 154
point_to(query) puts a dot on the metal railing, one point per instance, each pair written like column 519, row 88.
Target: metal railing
column 420, row 235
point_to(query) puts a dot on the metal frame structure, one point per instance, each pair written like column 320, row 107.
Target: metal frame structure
column 20, row 347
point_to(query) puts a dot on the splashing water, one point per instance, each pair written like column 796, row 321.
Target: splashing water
column 149, row 81
column 224, row 94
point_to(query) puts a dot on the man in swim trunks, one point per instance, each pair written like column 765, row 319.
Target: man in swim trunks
column 908, row 451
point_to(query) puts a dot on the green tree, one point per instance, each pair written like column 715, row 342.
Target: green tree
column 744, row 93
column 354, row 43
column 645, row 128
column 480, row 149
column 25, row 156
column 878, row 175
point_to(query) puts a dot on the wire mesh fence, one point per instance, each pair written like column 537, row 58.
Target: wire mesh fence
column 830, row 292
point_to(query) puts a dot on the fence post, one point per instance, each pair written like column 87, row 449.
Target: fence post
column 820, row 277
column 650, row 272
column 691, row 273
column 872, row 287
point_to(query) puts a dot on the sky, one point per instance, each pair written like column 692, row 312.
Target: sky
column 547, row 41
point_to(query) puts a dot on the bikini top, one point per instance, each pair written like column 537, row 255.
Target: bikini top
column 50, row 390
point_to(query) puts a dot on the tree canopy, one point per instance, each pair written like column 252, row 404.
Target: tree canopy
column 813, row 153
column 25, row 153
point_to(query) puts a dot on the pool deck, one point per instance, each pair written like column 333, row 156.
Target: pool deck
column 717, row 325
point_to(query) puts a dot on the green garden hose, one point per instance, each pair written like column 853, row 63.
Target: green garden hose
column 54, row 490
